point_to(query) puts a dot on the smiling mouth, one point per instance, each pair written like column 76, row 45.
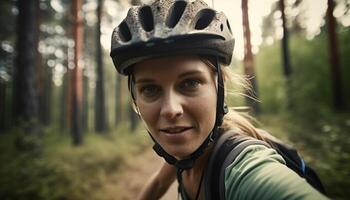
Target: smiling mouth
column 175, row 130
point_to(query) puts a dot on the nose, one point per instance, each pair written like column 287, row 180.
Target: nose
column 171, row 107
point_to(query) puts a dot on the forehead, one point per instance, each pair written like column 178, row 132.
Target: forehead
column 169, row 66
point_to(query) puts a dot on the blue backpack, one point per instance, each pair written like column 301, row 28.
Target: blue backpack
column 231, row 144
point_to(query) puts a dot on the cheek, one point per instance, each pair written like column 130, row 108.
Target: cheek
column 148, row 113
column 205, row 107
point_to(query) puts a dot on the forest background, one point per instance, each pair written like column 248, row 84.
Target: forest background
column 66, row 122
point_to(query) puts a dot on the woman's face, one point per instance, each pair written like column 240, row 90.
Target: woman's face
column 176, row 98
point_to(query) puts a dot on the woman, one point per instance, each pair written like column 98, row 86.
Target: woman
column 172, row 52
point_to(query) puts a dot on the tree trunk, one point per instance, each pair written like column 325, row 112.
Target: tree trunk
column 47, row 94
column 100, row 110
column 286, row 63
column 85, row 104
column 25, row 105
column 248, row 58
column 3, row 105
column 40, row 82
column 76, row 80
column 334, row 58
column 64, row 104
column 118, row 102
column 285, row 55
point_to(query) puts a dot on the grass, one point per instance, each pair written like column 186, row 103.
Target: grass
column 55, row 169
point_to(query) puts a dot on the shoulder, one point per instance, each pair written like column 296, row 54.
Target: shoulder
column 259, row 172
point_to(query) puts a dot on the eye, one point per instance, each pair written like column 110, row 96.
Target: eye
column 190, row 84
column 149, row 90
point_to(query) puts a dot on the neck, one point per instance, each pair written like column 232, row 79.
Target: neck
column 191, row 177
column 201, row 162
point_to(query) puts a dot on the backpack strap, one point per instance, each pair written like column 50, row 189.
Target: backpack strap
column 232, row 156
column 227, row 148
column 208, row 173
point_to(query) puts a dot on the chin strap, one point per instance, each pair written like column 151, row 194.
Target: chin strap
column 186, row 163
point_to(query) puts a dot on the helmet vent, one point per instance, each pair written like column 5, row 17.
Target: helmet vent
column 175, row 13
column 146, row 18
column 204, row 18
column 228, row 26
column 124, row 32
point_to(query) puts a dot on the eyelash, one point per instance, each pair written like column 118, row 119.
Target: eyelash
column 190, row 84
column 149, row 87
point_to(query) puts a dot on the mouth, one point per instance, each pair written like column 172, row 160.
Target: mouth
column 176, row 129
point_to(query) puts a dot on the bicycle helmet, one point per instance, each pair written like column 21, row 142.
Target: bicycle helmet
column 170, row 27
column 167, row 27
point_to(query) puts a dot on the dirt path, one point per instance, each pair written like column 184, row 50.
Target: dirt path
column 127, row 185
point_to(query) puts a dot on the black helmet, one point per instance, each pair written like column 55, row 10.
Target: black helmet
column 168, row 27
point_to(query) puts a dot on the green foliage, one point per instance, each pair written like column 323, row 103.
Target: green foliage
column 270, row 79
column 59, row 170
column 310, row 83
column 7, row 20
column 311, row 80
column 344, row 50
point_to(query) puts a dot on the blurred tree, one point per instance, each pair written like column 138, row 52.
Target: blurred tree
column 5, row 100
column 54, row 39
column 85, row 104
column 76, row 80
column 118, row 100
column 100, row 110
column 285, row 50
column 294, row 24
column 88, row 57
column 7, row 16
column 63, row 112
column 285, row 53
column 334, row 58
column 46, row 96
column 2, row 103
column 248, row 58
column 44, row 75
column 8, row 13
column 296, row 21
column 25, row 99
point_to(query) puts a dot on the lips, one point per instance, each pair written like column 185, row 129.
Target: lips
column 176, row 129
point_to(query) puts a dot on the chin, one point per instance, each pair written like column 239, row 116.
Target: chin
column 179, row 152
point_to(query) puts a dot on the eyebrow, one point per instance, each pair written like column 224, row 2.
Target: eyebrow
column 144, row 80
column 187, row 73
column 191, row 72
